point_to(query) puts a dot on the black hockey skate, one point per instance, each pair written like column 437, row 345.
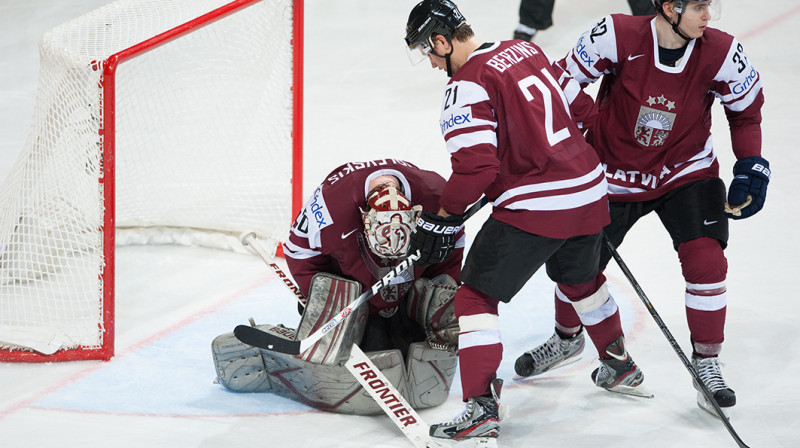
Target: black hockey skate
column 709, row 371
column 479, row 419
column 554, row 353
column 619, row 373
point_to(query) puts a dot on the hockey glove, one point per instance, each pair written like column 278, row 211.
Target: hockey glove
column 748, row 188
column 435, row 237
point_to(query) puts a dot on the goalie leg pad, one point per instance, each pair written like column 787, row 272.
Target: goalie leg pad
column 327, row 296
column 431, row 304
column 332, row 388
column 424, row 380
column 429, row 374
column 240, row 367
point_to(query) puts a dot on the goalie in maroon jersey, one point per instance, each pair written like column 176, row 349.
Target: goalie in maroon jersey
column 653, row 133
column 351, row 232
column 509, row 119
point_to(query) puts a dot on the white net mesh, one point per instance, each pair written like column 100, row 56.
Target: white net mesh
column 203, row 152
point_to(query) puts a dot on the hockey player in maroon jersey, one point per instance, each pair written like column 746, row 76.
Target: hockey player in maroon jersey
column 653, row 135
column 512, row 136
column 353, row 229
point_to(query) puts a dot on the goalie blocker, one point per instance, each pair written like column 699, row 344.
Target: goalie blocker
column 319, row 378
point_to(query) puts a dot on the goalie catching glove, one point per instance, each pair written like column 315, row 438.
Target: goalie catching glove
column 434, row 237
column 748, row 188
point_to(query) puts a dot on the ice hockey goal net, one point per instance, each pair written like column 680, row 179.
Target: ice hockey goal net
column 156, row 121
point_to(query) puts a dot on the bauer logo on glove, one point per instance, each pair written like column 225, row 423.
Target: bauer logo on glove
column 436, row 228
column 434, row 237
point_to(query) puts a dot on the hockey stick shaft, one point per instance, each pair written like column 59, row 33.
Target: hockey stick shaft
column 387, row 397
column 258, row 338
column 255, row 337
column 675, row 346
column 250, row 240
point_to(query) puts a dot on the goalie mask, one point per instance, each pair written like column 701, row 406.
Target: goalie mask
column 388, row 222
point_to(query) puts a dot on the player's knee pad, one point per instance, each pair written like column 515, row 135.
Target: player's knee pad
column 478, row 331
column 478, row 319
column 703, row 261
column 585, row 289
column 430, row 374
column 431, row 304
column 328, row 295
column 593, row 308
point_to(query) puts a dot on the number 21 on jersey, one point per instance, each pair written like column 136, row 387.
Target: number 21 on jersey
column 553, row 136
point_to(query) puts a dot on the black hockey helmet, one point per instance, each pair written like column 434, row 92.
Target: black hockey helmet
column 431, row 17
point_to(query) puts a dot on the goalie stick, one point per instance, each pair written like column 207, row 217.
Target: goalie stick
column 398, row 409
column 261, row 339
column 358, row 364
column 675, row 346
column 387, row 397
column 249, row 239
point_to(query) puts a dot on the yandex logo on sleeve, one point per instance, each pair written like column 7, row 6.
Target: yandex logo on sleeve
column 315, row 215
column 456, row 119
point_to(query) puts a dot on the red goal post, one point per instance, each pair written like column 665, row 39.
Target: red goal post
column 156, row 122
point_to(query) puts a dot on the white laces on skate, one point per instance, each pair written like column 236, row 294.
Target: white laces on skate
column 602, row 375
column 709, row 371
column 547, row 351
column 464, row 415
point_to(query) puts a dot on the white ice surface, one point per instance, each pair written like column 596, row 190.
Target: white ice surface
column 364, row 101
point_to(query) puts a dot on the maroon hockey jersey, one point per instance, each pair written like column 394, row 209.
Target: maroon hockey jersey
column 512, row 135
column 653, row 131
column 328, row 234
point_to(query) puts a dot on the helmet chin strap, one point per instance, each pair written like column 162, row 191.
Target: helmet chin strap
column 674, row 25
column 446, row 58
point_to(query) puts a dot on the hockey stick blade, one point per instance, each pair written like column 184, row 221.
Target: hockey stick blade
column 261, row 339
